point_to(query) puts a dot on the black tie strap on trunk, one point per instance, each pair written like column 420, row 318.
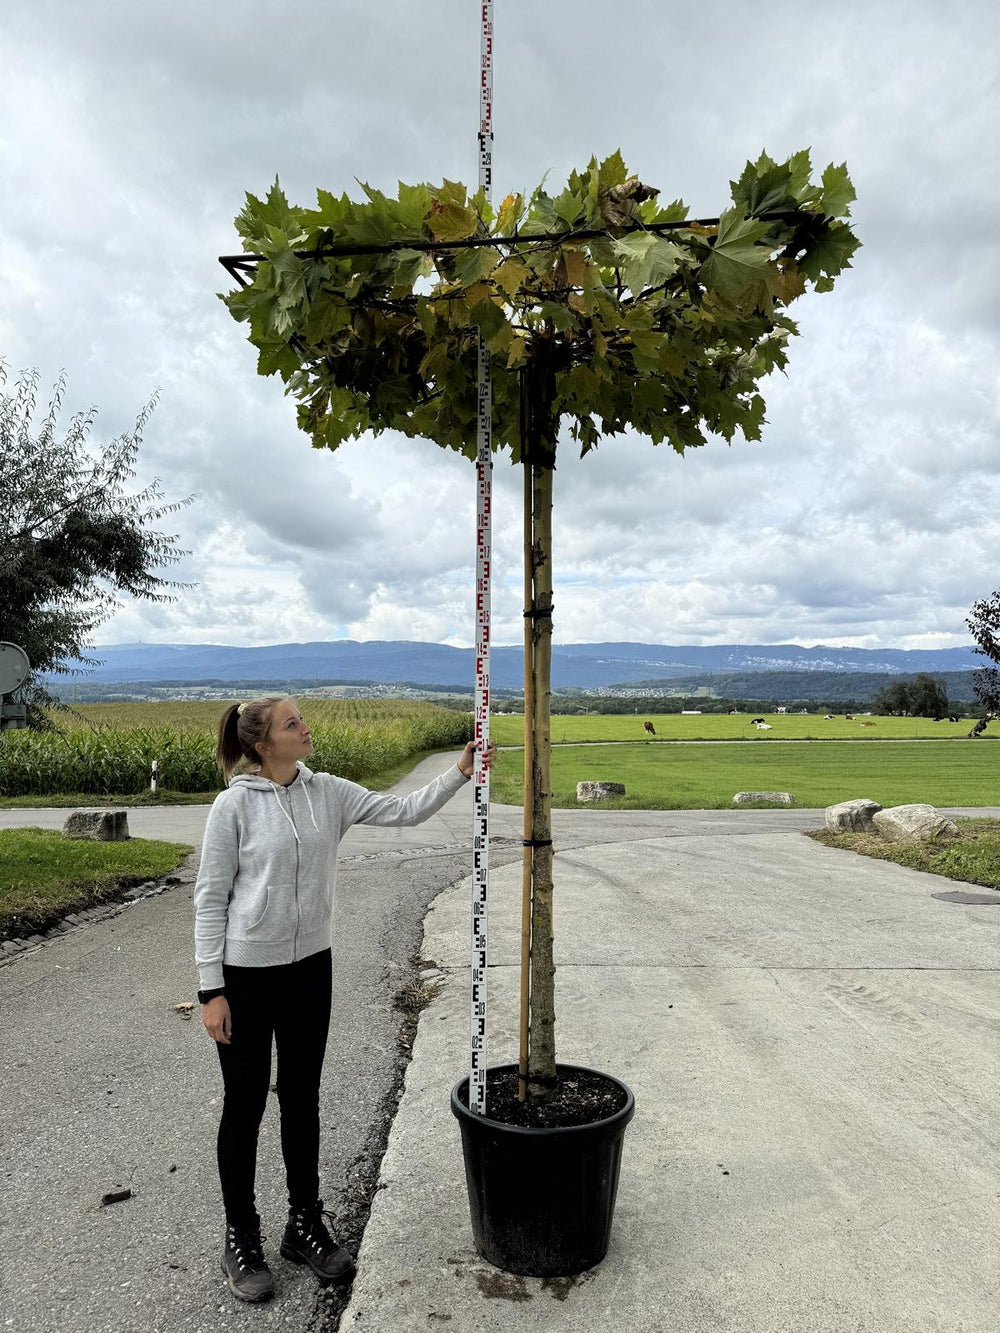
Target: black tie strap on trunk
column 541, row 1080
column 536, row 842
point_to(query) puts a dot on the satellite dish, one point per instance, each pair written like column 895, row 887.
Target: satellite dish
column 14, row 667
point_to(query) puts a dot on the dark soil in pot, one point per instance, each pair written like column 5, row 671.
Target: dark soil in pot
column 581, row 1097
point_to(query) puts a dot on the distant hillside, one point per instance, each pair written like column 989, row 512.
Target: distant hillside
column 588, row 666
column 783, row 686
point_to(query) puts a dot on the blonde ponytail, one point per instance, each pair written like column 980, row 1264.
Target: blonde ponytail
column 241, row 728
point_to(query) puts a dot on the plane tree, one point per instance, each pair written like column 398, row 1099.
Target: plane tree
column 604, row 311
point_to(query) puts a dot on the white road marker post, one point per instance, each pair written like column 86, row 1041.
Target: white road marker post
column 484, row 540
column 152, row 777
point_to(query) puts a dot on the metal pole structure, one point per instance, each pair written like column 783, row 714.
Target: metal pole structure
column 484, row 541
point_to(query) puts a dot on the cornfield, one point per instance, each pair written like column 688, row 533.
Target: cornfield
column 113, row 756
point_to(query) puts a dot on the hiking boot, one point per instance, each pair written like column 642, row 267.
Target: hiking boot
column 243, row 1263
column 307, row 1241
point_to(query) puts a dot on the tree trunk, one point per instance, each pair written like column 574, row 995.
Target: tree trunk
column 538, row 456
column 542, row 1050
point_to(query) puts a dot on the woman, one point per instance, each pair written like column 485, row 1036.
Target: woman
column 263, row 906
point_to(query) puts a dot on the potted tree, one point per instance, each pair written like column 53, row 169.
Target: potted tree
column 608, row 311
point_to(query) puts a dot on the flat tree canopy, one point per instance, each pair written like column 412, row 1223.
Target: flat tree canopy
column 642, row 318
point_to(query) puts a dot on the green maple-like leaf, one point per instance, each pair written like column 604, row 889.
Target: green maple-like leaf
column 409, row 265
column 831, row 253
column 739, row 258
column 452, row 217
column 763, row 187
column 645, row 259
column 509, row 214
column 838, row 192
column 473, row 266
column 258, row 216
column 612, row 171
column 413, row 205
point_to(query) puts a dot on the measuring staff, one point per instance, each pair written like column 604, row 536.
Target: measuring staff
column 484, row 540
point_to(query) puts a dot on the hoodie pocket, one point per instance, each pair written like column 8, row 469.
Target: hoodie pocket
column 315, row 910
column 268, row 915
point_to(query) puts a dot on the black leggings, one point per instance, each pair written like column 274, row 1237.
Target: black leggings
column 292, row 1004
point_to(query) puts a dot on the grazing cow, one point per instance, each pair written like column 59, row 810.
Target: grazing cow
column 953, row 717
column 648, row 726
column 827, row 717
column 849, row 717
column 763, row 726
column 755, row 721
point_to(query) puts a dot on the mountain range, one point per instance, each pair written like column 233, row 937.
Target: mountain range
column 584, row 666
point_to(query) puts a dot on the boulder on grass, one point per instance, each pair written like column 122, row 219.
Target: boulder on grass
column 913, row 823
column 748, row 797
column 851, row 816
column 98, row 825
column 598, row 791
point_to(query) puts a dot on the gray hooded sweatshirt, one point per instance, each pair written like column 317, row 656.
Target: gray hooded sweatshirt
column 264, row 894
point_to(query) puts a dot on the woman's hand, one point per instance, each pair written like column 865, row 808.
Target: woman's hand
column 467, row 763
column 218, row 1020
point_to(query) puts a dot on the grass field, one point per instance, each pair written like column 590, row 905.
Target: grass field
column 375, row 740
column 706, row 777
column 508, row 729
column 44, row 875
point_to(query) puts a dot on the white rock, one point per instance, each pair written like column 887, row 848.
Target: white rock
column 598, row 791
column 913, row 823
column 746, row 797
column 98, row 825
column 851, row 816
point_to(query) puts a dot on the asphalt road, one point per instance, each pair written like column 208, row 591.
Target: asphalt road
column 106, row 1088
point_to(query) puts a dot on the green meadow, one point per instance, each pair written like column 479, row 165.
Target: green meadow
column 44, row 875
column 706, row 777
column 508, row 729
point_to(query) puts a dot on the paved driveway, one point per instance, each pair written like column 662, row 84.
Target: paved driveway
column 811, row 1038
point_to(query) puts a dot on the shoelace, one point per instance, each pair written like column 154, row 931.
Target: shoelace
column 309, row 1223
column 248, row 1246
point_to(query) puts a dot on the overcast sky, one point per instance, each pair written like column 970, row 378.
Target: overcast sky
column 867, row 515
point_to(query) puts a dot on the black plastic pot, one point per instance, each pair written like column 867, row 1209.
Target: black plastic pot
column 542, row 1200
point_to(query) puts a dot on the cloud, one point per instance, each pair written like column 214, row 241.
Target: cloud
column 866, row 515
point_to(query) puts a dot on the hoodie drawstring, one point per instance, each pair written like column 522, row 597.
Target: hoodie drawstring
column 309, row 803
column 281, row 807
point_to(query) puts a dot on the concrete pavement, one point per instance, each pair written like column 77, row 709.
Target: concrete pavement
column 810, row 1036
column 811, row 1039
